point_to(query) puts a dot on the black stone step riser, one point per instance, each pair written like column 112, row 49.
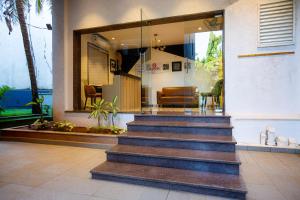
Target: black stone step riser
column 205, row 166
column 205, row 146
column 184, row 119
column 175, row 129
column 171, row 186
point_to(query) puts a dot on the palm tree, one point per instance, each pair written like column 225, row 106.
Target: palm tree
column 13, row 11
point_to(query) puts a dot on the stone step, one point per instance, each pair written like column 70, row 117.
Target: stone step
column 180, row 116
column 177, row 140
column 208, row 161
column 181, row 127
column 224, row 185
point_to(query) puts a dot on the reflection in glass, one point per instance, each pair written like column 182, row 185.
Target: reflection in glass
column 165, row 67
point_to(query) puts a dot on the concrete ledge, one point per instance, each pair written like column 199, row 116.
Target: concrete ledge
column 90, row 140
column 56, row 142
column 263, row 148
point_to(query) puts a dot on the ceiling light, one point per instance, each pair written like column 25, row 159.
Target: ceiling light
column 199, row 28
column 113, row 38
column 220, row 15
column 122, row 44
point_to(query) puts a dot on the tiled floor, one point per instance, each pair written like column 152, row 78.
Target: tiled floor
column 39, row 172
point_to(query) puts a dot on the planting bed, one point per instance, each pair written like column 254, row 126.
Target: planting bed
column 82, row 139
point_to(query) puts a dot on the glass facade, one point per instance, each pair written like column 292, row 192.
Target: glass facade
column 174, row 66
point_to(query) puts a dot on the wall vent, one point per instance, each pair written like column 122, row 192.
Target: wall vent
column 276, row 23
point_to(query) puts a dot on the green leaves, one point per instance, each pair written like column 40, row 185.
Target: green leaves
column 31, row 103
column 39, row 6
column 102, row 108
column 113, row 106
column 8, row 10
column 213, row 62
column 64, row 125
column 39, row 102
column 36, row 102
column 99, row 108
column 3, row 90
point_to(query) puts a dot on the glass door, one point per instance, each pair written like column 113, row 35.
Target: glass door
column 147, row 96
column 203, row 65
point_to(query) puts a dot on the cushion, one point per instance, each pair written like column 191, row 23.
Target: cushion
column 179, row 91
column 177, row 99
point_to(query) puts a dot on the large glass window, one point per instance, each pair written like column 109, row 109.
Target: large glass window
column 174, row 66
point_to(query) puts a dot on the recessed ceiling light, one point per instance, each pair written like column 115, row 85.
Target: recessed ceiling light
column 220, row 15
column 113, row 38
column 199, row 28
column 122, row 44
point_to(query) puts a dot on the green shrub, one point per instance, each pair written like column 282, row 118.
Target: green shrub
column 64, row 126
column 3, row 90
column 40, row 125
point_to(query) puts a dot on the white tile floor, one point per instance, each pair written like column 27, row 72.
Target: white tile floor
column 49, row 172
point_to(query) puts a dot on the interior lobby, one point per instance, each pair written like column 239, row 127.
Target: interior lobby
column 167, row 67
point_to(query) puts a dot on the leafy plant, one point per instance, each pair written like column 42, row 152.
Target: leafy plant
column 39, row 125
column 99, row 109
column 64, row 125
column 39, row 102
column 47, row 107
column 3, row 90
column 114, row 109
column 213, row 61
column 116, row 130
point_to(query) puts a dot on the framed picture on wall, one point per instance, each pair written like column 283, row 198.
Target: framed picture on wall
column 113, row 65
column 176, row 66
column 165, row 66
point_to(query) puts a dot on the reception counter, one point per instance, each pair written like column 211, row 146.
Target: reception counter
column 127, row 88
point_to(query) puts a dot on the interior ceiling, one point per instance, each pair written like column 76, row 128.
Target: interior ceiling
column 168, row 34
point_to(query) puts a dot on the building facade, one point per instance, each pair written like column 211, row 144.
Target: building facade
column 260, row 91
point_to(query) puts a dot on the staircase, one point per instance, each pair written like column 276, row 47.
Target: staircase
column 179, row 152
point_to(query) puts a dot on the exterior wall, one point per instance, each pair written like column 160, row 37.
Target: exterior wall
column 13, row 64
column 259, row 91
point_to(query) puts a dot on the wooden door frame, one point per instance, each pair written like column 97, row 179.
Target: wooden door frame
column 77, row 44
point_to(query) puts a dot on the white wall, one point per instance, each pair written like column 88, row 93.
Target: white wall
column 259, row 91
column 13, row 64
column 156, row 80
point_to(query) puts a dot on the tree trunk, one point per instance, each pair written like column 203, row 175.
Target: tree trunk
column 34, row 89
